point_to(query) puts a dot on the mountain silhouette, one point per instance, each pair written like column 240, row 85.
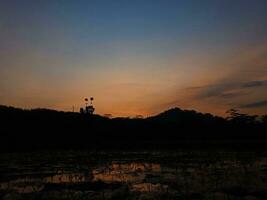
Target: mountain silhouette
column 184, row 116
column 46, row 129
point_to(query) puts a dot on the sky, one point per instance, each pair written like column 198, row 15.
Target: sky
column 135, row 57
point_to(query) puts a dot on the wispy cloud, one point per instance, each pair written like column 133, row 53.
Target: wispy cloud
column 224, row 90
column 252, row 84
column 258, row 104
column 227, row 90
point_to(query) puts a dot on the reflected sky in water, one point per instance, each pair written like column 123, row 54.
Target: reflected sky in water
column 185, row 173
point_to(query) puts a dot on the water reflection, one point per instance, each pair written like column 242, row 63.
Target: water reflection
column 125, row 172
column 149, row 187
column 23, row 185
column 134, row 174
column 103, row 180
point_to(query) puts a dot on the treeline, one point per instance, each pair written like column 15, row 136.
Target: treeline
column 48, row 129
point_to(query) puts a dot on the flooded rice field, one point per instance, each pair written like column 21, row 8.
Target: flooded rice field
column 133, row 175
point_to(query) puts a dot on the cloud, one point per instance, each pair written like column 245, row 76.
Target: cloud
column 227, row 90
column 252, row 84
column 258, row 104
column 224, row 90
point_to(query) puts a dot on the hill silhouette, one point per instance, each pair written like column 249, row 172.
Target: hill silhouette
column 174, row 128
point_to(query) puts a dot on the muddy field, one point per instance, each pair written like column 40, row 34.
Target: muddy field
column 134, row 175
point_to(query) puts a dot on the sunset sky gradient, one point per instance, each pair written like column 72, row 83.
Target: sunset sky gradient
column 134, row 56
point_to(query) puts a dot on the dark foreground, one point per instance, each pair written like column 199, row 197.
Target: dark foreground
column 162, row 175
column 42, row 129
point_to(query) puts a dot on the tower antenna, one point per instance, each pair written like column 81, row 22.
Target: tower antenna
column 86, row 101
column 91, row 100
column 89, row 109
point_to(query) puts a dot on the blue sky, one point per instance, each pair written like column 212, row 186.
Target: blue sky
column 134, row 57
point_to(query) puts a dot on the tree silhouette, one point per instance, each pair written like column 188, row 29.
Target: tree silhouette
column 240, row 118
column 48, row 129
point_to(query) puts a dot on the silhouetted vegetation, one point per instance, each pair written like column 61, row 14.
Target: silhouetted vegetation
column 175, row 128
